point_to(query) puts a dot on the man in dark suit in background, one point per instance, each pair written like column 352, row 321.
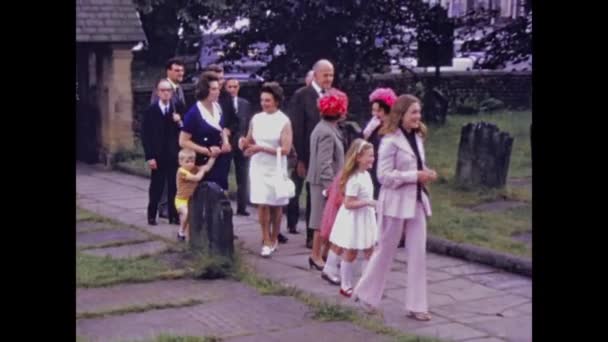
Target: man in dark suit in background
column 160, row 132
column 304, row 115
column 241, row 163
column 174, row 70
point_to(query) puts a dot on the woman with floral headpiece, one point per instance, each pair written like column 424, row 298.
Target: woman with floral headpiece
column 381, row 100
column 326, row 159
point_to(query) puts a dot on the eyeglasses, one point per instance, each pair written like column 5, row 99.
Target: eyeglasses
column 166, row 89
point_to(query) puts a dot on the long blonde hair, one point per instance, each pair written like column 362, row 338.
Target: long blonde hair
column 350, row 165
column 398, row 110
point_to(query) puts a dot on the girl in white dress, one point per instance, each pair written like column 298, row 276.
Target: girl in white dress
column 268, row 130
column 355, row 226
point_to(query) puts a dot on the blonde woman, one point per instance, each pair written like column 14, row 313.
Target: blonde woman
column 403, row 206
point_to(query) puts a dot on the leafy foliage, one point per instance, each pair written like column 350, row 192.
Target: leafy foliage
column 361, row 37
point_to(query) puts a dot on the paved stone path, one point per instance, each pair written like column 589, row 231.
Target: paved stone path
column 469, row 302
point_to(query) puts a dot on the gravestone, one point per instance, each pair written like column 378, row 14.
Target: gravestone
column 484, row 154
column 210, row 218
column 435, row 106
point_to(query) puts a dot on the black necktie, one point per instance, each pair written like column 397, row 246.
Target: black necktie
column 166, row 110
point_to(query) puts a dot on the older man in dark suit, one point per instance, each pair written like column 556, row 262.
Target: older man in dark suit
column 174, row 70
column 304, row 115
column 160, row 131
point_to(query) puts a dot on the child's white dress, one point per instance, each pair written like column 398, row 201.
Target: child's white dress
column 356, row 228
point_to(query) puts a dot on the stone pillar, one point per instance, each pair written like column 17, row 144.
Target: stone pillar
column 116, row 101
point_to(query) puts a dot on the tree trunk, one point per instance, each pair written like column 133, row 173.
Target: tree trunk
column 484, row 154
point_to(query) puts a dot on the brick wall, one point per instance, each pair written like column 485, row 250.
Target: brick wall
column 514, row 89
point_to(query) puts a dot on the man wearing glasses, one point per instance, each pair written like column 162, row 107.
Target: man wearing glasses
column 160, row 131
column 174, row 69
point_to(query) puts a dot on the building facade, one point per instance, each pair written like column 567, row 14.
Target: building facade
column 506, row 8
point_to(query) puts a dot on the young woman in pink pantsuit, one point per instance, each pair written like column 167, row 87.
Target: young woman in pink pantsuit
column 403, row 205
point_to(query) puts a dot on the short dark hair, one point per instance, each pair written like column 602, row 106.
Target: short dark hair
column 383, row 105
column 172, row 61
column 274, row 89
column 215, row 68
column 231, row 79
column 202, row 87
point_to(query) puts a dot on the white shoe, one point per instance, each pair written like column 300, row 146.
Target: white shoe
column 275, row 247
column 266, row 251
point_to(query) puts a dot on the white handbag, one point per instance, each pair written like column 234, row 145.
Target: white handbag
column 283, row 186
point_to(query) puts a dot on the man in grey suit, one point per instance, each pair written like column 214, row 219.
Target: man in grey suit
column 243, row 111
column 174, row 69
column 304, row 116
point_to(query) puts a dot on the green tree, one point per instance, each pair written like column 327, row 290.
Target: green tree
column 356, row 35
column 163, row 19
column 353, row 34
column 509, row 41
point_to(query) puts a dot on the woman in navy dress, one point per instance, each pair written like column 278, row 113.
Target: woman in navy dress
column 203, row 131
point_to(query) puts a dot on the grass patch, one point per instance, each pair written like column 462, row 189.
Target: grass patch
column 94, row 271
column 139, row 308
column 326, row 312
column 83, row 215
column 116, row 243
column 452, row 218
column 172, row 338
column 206, row 266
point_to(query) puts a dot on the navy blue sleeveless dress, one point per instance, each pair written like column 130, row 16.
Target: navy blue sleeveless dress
column 207, row 134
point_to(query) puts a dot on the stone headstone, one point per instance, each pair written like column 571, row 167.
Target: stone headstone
column 484, row 154
column 210, row 217
column 435, row 106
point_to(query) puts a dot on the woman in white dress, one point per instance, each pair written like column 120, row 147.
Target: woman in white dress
column 355, row 225
column 268, row 130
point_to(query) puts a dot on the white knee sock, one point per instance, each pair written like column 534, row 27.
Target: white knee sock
column 331, row 264
column 346, row 273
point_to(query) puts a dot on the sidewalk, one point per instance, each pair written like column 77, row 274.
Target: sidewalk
column 469, row 302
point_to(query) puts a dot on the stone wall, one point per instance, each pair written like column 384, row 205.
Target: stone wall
column 513, row 88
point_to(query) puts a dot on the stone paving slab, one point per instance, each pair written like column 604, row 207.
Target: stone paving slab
column 240, row 315
column 450, row 331
column 515, row 329
column 130, row 251
column 462, row 289
column 438, row 262
column 395, row 317
column 108, row 236
column 487, row 307
column 318, row 332
column 469, row 269
column 277, row 271
column 87, row 226
column 158, row 292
